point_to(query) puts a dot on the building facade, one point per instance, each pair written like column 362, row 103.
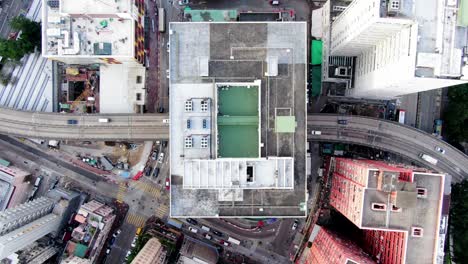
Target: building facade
column 15, row 186
column 108, row 33
column 398, row 208
column 152, row 253
column 328, row 247
column 384, row 49
column 24, row 224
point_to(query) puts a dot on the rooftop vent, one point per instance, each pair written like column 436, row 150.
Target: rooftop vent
column 394, row 6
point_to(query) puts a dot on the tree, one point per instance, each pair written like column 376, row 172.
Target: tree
column 27, row 42
column 459, row 221
column 456, row 115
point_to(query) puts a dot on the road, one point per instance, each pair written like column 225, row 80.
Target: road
column 54, row 126
column 10, row 8
column 390, row 136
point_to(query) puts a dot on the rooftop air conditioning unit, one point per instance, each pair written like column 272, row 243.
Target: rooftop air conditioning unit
column 394, row 6
column 342, row 71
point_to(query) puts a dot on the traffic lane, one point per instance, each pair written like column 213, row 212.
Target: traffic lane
column 122, row 244
column 230, row 230
column 284, row 237
column 388, row 129
column 406, row 149
column 10, row 9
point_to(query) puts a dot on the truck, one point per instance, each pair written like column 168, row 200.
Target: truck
column 233, row 241
column 428, row 158
column 401, row 116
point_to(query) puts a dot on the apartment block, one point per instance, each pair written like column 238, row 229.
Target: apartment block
column 384, row 49
column 397, row 207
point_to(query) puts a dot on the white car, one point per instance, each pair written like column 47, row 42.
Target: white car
column 294, row 226
column 168, row 75
column 161, row 157
column 440, row 150
column 193, row 230
column 316, row 132
column 208, row 236
column 168, row 46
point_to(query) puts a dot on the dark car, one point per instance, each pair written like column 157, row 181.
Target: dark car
column 161, row 110
column 217, row 233
column 156, row 172
column 72, row 121
column 192, row 221
column 342, row 121
column 148, row 170
column 164, row 143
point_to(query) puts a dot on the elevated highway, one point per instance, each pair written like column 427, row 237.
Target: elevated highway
column 390, row 136
column 55, row 126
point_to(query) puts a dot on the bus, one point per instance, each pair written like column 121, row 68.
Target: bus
column 233, row 241
column 401, row 116
column 162, row 20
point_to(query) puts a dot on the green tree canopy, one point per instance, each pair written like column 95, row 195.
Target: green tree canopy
column 456, row 115
column 27, row 42
column 459, row 221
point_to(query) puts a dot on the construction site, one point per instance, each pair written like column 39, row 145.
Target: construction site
column 79, row 91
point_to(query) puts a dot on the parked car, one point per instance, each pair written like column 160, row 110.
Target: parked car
column 161, row 109
column 164, row 143
column 154, row 155
column 161, row 157
column 208, row 236
column 440, row 150
column 148, row 170
column 168, row 184
column 294, row 226
column 156, row 172
column 72, row 121
column 224, row 243
column 193, row 230
column 315, row 132
column 192, row 221
column 168, row 46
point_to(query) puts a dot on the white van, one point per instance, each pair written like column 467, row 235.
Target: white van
column 207, row 229
column 104, row 120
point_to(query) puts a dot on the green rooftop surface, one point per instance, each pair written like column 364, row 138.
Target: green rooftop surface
column 238, row 122
column 80, row 250
column 210, row 15
column 463, row 13
column 285, row 124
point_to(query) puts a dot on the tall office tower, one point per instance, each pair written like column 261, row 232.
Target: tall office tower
column 398, row 208
column 383, row 49
column 26, row 223
column 108, row 33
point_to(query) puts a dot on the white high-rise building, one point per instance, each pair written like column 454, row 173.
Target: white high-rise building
column 26, row 223
column 383, row 49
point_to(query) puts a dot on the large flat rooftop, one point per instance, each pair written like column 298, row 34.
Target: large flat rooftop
column 237, row 95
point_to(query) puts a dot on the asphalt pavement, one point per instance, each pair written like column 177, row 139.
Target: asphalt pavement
column 10, row 9
column 122, row 244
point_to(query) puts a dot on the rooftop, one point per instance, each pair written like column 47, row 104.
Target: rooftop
column 102, row 28
column 229, row 83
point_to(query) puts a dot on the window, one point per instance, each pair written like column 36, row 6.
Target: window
column 188, row 142
column 422, row 192
column 204, row 142
column 138, row 79
column 204, row 105
column 416, row 231
column 189, row 124
column 138, row 96
column 379, row 207
column 188, row 106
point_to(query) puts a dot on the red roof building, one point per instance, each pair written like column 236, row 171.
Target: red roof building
column 397, row 207
column 328, row 247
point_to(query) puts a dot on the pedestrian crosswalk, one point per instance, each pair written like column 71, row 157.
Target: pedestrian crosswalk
column 148, row 188
column 162, row 211
column 136, row 220
column 121, row 192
